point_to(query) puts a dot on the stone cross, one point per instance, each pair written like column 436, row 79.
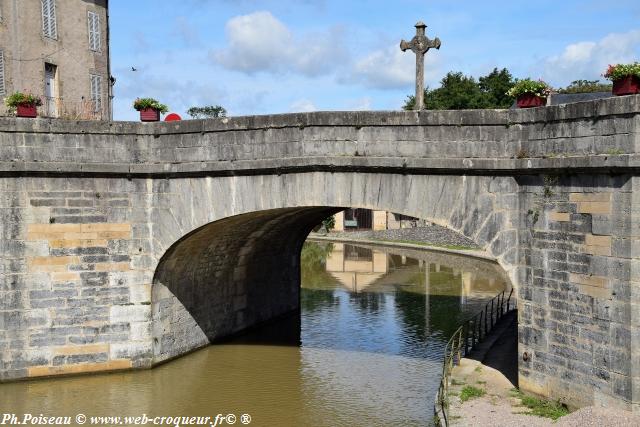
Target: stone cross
column 420, row 44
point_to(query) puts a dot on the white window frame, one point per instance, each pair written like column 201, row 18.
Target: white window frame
column 96, row 92
column 95, row 32
column 2, row 87
column 49, row 26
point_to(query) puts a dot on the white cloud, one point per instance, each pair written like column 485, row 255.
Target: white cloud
column 302, row 106
column 589, row 59
column 260, row 42
column 390, row 68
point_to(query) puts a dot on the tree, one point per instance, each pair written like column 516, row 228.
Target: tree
column 586, row 86
column 494, row 86
column 458, row 92
column 208, row 112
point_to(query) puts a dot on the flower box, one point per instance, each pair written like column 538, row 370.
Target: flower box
column 628, row 85
column 149, row 115
column 24, row 110
column 528, row 100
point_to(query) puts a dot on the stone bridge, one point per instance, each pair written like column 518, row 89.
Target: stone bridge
column 124, row 245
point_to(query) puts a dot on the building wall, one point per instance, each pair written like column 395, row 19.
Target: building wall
column 26, row 50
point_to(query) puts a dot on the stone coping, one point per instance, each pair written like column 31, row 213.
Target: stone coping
column 624, row 105
column 472, row 253
column 401, row 165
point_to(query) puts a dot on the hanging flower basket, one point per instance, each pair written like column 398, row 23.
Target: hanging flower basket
column 629, row 85
column 25, row 104
column 26, row 110
column 529, row 100
column 150, row 109
column 149, row 115
column 530, row 93
column 625, row 78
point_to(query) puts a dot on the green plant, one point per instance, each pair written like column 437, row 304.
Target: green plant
column 20, row 98
column 549, row 181
column 614, row 151
column 471, row 392
column 208, row 112
column 144, row 103
column 620, row 71
column 456, row 382
column 538, row 88
column 541, row 407
column 586, row 86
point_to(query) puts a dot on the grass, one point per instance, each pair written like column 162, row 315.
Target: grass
column 614, row 151
column 481, row 382
column 541, row 407
column 471, row 392
column 456, row 382
column 478, row 369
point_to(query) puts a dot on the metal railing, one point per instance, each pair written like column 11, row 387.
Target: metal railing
column 464, row 339
column 71, row 110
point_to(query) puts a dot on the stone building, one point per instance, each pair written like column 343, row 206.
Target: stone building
column 58, row 50
column 366, row 219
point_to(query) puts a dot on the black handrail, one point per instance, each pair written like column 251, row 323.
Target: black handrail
column 463, row 341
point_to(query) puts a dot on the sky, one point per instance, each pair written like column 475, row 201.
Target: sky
column 282, row 56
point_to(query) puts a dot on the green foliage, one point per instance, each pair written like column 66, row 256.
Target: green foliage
column 143, row 103
column 20, row 98
column 470, row 392
column 620, row 71
column 538, row 88
column 586, row 86
column 329, row 223
column 541, row 407
column 495, row 86
column 460, row 92
column 208, row 112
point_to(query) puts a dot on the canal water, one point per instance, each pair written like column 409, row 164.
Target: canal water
column 373, row 325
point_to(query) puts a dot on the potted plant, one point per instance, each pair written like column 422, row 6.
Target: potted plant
column 25, row 104
column 150, row 109
column 530, row 93
column 625, row 78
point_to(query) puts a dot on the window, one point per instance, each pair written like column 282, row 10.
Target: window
column 49, row 28
column 94, row 31
column 2, row 91
column 96, row 92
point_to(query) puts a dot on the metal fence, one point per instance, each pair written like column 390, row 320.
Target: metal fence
column 463, row 340
column 71, row 110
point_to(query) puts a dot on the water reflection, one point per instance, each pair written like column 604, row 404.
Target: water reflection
column 373, row 325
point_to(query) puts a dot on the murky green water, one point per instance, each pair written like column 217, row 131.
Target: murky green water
column 373, row 328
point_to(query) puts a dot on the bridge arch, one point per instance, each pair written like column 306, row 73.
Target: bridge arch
column 226, row 265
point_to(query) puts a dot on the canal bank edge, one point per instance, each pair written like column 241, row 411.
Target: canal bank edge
column 473, row 253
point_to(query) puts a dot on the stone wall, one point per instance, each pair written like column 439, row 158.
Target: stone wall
column 576, row 293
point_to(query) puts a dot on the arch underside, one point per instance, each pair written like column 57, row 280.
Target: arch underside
column 228, row 271
column 228, row 276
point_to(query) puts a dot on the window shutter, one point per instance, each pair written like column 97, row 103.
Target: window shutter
column 49, row 28
column 45, row 18
column 2, row 90
column 52, row 19
column 94, row 31
column 96, row 92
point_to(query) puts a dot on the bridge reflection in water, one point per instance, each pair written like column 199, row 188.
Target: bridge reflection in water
column 374, row 322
